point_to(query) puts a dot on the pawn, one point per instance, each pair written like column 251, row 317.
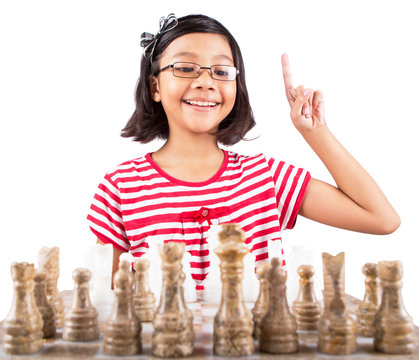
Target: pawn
column 394, row 328
column 22, row 327
column 81, row 321
column 369, row 306
column 278, row 328
column 262, row 302
column 43, row 305
column 122, row 329
column 144, row 300
column 306, row 308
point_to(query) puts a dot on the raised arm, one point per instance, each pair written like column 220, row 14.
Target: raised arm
column 357, row 203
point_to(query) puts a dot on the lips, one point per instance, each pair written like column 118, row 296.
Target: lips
column 201, row 103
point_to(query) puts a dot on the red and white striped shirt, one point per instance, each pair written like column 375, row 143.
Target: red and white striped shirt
column 138, row 203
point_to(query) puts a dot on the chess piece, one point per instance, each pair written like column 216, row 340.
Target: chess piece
column 262, row 302
column 101, row 293
column 369, row 306
column 22, row 327
column 48, row 261
column 43, row 305
column 81, row 321
column 278, row 327
column 336, row 327
column 233, row 326
column 306, row 308
column 123, row 328
column 394, row 329
column 173, row 334
column 144, row 299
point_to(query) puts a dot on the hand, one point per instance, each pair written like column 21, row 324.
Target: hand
column 307, row 107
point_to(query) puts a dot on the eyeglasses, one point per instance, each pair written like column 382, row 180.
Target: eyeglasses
column 192, row 70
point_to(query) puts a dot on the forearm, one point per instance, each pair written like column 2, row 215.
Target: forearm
column 350, row 177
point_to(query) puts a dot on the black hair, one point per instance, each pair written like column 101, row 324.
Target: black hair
column 149, row 120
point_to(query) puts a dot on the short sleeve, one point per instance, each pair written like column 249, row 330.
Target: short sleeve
column 290, row 186
column 105, row 216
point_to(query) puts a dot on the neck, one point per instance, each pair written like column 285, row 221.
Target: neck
column 189, row 149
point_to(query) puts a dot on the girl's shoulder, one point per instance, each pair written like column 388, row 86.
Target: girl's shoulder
column 129, row 168
column 265, row 162
column 235, row 158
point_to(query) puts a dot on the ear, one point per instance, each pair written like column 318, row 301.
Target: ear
column 155, row 90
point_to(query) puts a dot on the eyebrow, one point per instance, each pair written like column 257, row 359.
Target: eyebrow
column 193, row 55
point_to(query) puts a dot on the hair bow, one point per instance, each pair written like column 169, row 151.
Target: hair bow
column 149, row 41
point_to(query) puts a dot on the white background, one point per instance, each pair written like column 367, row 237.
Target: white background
column 68, row 71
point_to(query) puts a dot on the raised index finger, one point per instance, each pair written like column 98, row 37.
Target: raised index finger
column 286, row 72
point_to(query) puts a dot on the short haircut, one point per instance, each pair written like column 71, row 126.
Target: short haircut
column 149, row 120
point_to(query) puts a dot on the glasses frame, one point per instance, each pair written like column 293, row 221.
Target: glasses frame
column 172, row 66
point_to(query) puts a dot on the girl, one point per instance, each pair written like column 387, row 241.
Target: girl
column 192, row 93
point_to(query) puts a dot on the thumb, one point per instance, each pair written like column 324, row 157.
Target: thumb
column 300, row 100
column 318, row 99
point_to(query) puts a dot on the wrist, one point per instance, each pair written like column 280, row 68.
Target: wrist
column 310, row 134
column 322, row 142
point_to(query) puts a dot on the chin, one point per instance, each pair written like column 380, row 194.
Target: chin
column 209, row 133
column 204, row 128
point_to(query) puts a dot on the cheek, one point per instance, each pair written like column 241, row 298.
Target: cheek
column 230, row 94
column 171, row 91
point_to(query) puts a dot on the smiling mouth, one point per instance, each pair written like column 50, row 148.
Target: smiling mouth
column 201, row 103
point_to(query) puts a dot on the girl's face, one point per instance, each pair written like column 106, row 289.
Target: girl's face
column 176, row 94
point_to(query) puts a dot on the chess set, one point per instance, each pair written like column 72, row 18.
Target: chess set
column 38, row 309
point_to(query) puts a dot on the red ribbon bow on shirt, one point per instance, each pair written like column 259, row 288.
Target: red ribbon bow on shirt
column 203, row 214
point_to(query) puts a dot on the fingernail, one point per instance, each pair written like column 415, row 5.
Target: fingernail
column 306, row 92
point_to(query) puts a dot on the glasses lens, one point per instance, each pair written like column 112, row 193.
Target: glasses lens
column 187, row 70
column 223, row 72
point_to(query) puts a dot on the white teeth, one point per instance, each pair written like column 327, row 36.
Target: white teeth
column 200, row 103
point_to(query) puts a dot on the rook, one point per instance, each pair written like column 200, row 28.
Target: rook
column 394, row 329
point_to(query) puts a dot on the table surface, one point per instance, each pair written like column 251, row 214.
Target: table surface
column 57, row 348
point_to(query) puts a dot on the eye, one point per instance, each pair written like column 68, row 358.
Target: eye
column 220, row 72
column 185, row 68
column 223, row 72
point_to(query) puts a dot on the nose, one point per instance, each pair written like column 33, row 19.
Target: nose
column 204, row 80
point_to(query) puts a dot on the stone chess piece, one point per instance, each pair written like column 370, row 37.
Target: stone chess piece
column 278, row 327
column 81, row 321
column 306, row 308
column 336, row 328
column 101, row 293
column 22, row 327
column 43, row 305
column 394, row 328
column 122, row 334
column 369, row 306
column 233, row 326
column 144, row 299
column 173, row 334
column 49, row 262
column 262, row 302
